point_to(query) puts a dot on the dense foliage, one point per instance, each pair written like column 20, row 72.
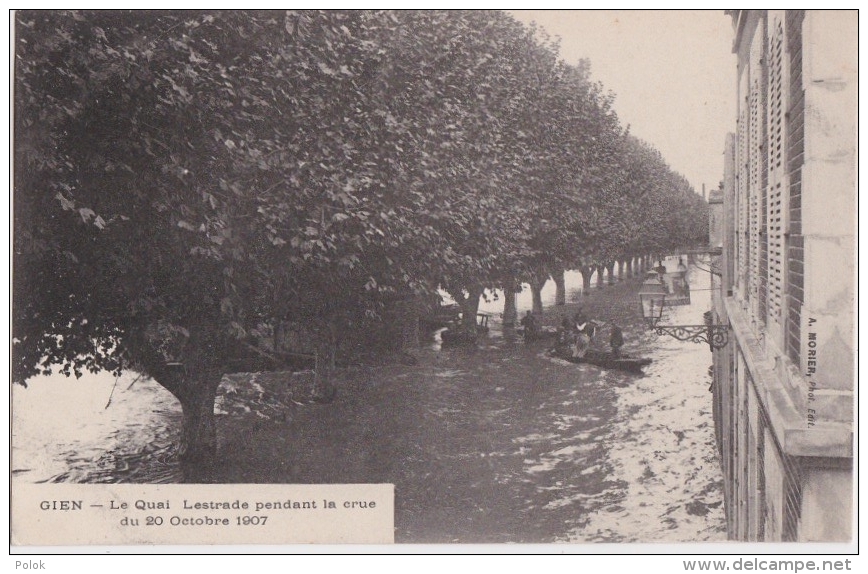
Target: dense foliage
column 187, row 180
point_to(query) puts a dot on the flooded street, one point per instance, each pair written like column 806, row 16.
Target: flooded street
column 496, row 444
column 662, row 452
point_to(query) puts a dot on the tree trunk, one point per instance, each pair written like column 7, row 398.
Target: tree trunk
column 536, row 287
column 332, row 344
column 469, row 307
column 466, row 332
column 510, row 311
column 600, row 270
column 198, row 444
column 621, row 270
column 411, row 334
column 586, row 272
column 279, row 336
column 560, row 288
column 611, row 269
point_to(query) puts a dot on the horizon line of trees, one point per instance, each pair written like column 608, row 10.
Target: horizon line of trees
column 185, row 180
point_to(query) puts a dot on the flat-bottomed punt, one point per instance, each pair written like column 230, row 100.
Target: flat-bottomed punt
column 605, row 360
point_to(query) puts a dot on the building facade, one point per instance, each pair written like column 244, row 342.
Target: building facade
column 784, row 385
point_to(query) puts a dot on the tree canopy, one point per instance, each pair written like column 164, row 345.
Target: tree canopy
column 184, row 177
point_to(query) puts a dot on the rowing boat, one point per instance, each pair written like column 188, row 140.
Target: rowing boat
column 605, row 360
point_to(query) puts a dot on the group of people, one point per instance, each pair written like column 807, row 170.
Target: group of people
column 576, row 335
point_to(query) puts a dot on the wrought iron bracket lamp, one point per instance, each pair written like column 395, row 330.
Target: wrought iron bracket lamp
column 652, row 299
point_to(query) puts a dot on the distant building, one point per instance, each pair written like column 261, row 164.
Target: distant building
column 783, row 387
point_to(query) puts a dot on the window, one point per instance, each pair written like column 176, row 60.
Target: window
column 777, row 184
column 755, row 187
column 741, row 198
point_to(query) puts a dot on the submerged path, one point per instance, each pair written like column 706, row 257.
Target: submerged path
column 503, row 444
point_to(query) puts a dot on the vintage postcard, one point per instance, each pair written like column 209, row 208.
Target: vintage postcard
column 376, row 277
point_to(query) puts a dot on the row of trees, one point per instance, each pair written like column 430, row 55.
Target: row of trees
column 184, row 180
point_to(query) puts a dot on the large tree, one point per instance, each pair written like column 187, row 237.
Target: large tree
column 181, row 176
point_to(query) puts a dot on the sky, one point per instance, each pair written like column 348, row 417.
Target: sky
column 672, row 73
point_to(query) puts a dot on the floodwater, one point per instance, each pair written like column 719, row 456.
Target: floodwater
column 662, row 452
column 496, row 444
column 95, row 429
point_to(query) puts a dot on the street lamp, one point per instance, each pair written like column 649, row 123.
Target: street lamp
column 652, row 299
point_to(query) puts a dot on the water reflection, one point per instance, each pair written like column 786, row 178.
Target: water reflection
column 662, row 446
column 94, row 429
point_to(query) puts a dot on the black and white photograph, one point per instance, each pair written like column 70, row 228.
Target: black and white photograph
column 433, row 277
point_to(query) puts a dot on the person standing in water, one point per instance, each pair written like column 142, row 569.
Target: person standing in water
column 616, row 340
column 530, row 327
column 679, row 282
